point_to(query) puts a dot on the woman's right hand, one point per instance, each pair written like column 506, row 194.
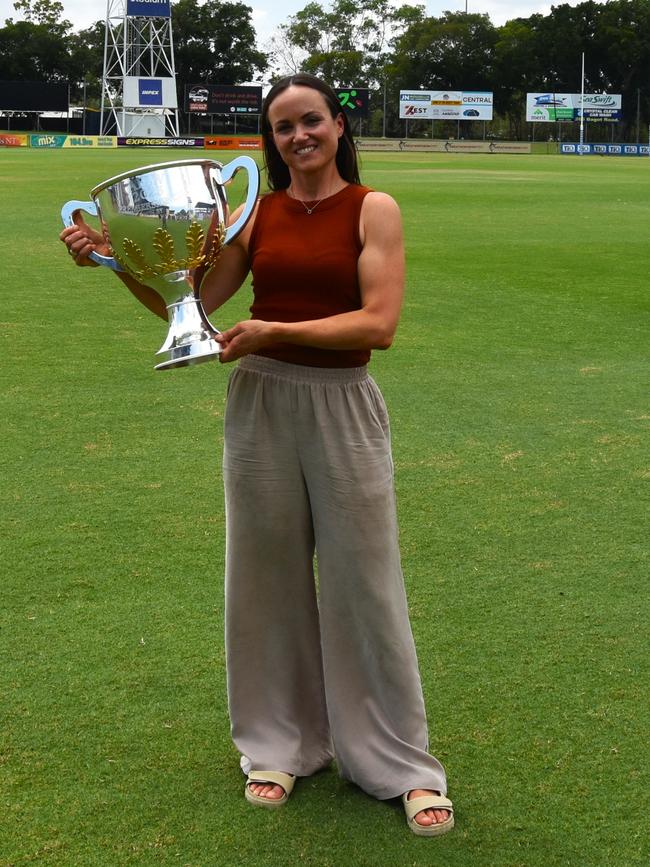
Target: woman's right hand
column 81, row 241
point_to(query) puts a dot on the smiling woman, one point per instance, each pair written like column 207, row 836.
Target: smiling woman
column 338, row 674
column 308, row 474
column 278, row 128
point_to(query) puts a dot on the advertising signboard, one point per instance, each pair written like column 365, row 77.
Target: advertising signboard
column 445, row 146
column 149, row 92
column 150, row 142
column 233, row 143
column 224, row 99
column 446, row 105
column 354, row 100
column 63, row 140
column 600, row 106
column 33, row 96
column 196, row 98
column 550, row 107
column 477, row 105
column 9, row 140
column 415, row 104
column 148, row 8
column 605, row 150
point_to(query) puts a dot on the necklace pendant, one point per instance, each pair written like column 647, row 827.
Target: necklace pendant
column 309, row 210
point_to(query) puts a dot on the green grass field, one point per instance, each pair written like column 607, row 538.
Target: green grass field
column 518, row 390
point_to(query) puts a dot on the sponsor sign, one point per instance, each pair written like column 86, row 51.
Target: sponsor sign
column 196, row 98
column 149, row 92
column 142, row 142
column 232, row 143
column 422, row 144
column 377, row 144
column 148, row 8
column 476, row 147
column 9, row 140
column 550, row 107
column 445, row 146
column 72, row 141
column 354, row 100
column 446, row 105
column 604, row 150
column 224, row 99
column 600, row 106
column 90, row 141
column 488, row 147
column 509, row 147
column 477, row 105
column 415, row 105
column 47, row 141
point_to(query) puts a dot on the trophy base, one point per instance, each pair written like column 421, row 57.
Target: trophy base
column 192, row 353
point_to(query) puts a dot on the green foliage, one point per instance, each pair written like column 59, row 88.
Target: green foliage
column 214, row 42
column 347, row 44
column 43, row 48
column 42, row 12
column 455, row 51
column 34, row 52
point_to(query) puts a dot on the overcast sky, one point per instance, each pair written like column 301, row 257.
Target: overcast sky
column 268, row 14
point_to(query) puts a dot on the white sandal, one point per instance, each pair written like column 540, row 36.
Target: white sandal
column 274, row 778
column 428, row 802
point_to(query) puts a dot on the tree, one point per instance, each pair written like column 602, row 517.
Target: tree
column 516, row 70
column 48, row 12
column 215, row 42
column 455, row 51
column 347, row 44
column 37, row 48
column 622, row 45
column 86, row 50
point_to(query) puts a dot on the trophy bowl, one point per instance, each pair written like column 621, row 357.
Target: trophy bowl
column 166, row 225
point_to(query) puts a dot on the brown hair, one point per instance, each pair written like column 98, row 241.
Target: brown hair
column 346, row 155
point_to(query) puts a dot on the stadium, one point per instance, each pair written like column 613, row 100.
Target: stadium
column 518, row 393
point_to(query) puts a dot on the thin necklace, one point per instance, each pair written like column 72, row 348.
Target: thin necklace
column 309, row 210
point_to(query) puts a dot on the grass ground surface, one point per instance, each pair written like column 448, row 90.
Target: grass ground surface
column 518, row 391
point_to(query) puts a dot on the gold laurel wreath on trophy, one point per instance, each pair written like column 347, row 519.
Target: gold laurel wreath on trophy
column 163, row 244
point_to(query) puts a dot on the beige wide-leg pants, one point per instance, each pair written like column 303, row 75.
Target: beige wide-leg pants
column 318, row 667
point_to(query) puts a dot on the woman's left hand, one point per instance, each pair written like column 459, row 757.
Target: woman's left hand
column 244, row 338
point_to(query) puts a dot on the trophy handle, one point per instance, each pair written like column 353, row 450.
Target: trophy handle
column 67, row 215
column 229, row 171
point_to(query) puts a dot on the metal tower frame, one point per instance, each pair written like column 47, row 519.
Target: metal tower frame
column 134, row 46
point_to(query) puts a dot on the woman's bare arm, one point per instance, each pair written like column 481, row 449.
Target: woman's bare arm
column 219, row 284
column 381, row 279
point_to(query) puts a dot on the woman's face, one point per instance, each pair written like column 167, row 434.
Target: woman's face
column 304, row 131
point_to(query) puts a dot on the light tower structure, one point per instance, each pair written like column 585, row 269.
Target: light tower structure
column 139, row 80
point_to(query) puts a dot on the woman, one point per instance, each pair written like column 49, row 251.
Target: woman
column 314, row 674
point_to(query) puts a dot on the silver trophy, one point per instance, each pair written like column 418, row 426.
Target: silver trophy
column 166, row 225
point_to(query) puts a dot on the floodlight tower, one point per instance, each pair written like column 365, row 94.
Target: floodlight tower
column 139, row 80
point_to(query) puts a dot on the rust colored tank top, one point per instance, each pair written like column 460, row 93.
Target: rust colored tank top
column 304, row 267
